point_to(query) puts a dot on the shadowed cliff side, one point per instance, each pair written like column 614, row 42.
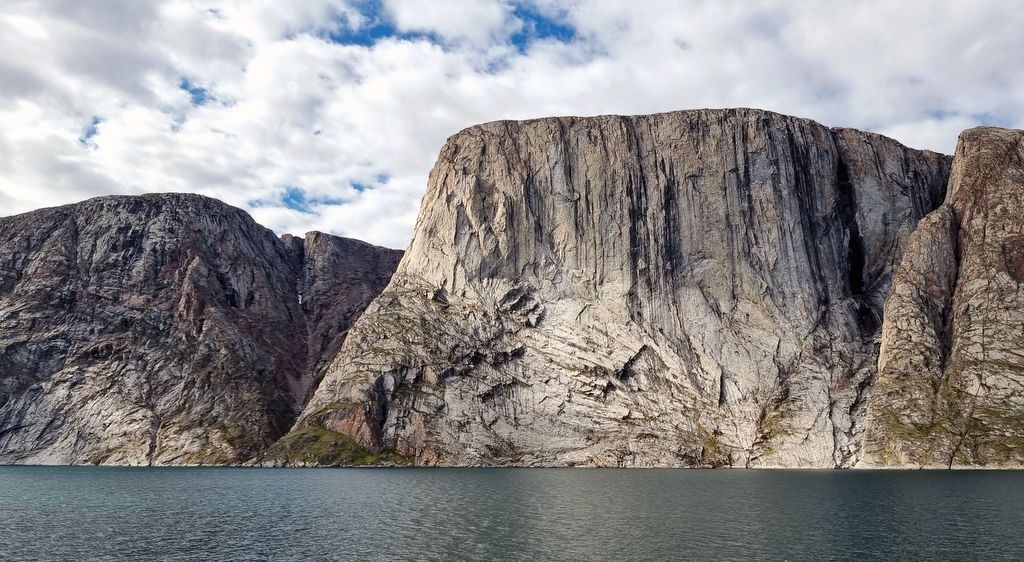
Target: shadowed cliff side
column 165, row 329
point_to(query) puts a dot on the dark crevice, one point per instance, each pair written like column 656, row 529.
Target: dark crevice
column 944, row 318
column 848, row 214
column 856, row 259
column 858, row 281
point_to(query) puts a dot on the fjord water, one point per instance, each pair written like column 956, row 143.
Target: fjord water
column 51, row 513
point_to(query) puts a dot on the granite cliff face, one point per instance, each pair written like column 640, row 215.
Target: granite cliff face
column 166, row 329
column 950, row 390
column 685, row 289
column 698, row 288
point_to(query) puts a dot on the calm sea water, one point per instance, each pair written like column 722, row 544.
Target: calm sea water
column 509, row 514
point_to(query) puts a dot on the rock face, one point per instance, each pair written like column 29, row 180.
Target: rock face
column 950, row 390
column 699, row 288
column 691, row 288
column 166, row 329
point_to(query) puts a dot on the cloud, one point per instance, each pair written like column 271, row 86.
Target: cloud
column 328, row 114
column 477, row 21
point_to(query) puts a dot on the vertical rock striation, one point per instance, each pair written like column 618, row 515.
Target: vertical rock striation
column 698, row 288
column 690, row 288
column 340, row 277
column 950, row 390
column 165, row 329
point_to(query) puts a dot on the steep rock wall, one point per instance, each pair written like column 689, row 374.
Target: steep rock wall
column 950, row 390
column 165, row 329
column 690, row 288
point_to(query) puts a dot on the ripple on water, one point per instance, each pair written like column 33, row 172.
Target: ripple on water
column 511, row 514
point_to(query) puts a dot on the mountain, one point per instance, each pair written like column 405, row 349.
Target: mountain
column 950, row 390
column 698, row 288
column 166, row 329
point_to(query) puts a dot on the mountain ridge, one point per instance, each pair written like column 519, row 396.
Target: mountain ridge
column 695, row 288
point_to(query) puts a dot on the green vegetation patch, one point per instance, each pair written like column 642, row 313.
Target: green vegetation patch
column 316, row 445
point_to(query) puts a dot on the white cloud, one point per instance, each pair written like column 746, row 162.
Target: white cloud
column 357, row 126
column 473, row 20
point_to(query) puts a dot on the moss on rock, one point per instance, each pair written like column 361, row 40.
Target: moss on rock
column 319, row 446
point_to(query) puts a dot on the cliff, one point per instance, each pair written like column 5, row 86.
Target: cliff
column 950, row 390
column 166, row 329
column 696, row 288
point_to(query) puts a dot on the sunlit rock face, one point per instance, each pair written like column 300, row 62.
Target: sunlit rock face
column 683, row 289
column 166, row 329
column 698, row 288
column 950, row 390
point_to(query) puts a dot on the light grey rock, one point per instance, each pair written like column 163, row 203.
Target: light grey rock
column 950, row 390
column 165, row 329
column 685, row 289
column 689, row 288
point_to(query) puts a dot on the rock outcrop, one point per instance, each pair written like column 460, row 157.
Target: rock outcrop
column 685, row 289
column 166, row 329
column 950, row 390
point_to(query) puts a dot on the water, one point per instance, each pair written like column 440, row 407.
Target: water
column 510, row 514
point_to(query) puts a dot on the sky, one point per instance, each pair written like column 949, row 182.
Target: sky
column 328, row 114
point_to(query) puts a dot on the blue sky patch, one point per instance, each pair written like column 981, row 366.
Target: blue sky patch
column 366, row 36
column 537, row 25
column 295, row 198
column 197, row 94
column 90, row 131
column 361, row 187
column 377, row 28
